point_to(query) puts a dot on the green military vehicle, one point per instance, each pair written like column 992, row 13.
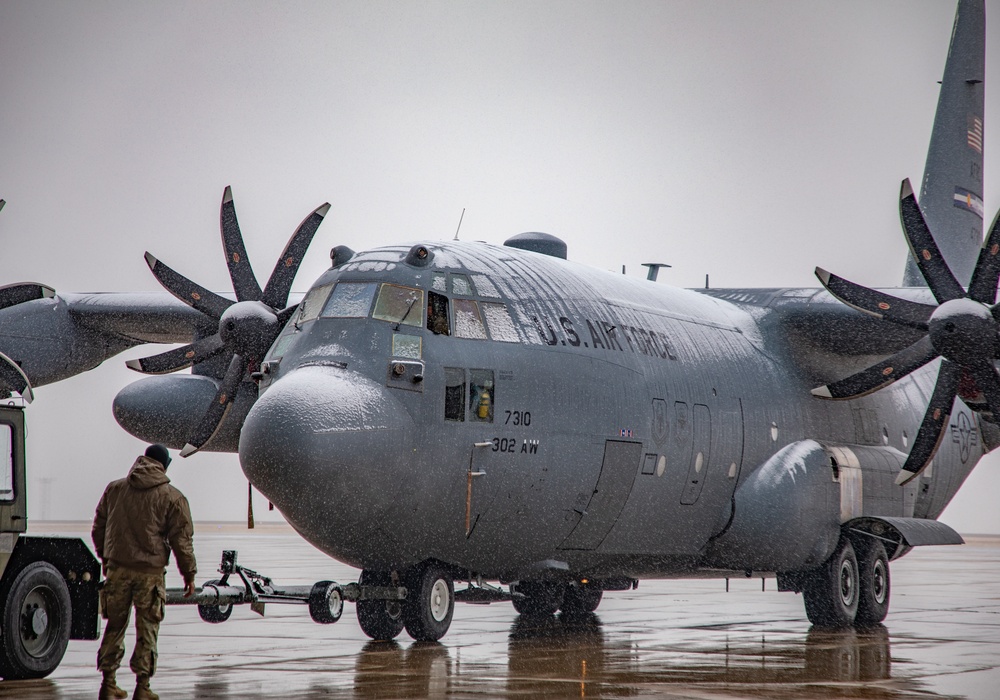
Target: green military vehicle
column 48, row 585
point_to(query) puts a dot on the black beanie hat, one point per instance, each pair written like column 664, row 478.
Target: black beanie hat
column 159, row 453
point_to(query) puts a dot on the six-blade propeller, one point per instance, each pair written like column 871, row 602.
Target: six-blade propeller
column 962, row 330
column 246, row 327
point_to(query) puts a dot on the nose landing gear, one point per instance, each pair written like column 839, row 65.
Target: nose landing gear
column 425, row 612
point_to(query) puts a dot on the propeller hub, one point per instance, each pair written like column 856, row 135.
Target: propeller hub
column 963, row 330
column 248, row 328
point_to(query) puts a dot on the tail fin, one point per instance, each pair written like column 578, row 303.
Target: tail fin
column 952, row 193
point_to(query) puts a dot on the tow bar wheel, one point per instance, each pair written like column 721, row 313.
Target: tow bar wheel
column 326, row 602
column 215, row 613
column 35, row 623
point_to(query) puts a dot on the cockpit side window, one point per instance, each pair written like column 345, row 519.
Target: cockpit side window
column 454, row 394
column 481, row 395
column 500, row 323
column 312, row 303
column 350, row 300
column 461, row 285
column 398, row 304
column 468, row 322
column 437, row 314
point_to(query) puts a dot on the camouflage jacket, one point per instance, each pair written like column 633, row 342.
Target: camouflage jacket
column 141, row 518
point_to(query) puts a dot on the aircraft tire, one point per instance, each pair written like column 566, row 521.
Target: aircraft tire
column 831, row 591
column 540, row 597
column 326, row 602
column 873, row 592
column 35, row 623
column 381, row 620
column 215, row 613
column 581, row 599
column 430, row 603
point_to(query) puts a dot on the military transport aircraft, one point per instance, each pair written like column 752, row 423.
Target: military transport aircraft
column 433, row 412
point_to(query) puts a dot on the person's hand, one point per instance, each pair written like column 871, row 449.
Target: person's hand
column 188, row 589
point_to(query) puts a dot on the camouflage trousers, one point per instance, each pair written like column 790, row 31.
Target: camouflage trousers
column 123, row 590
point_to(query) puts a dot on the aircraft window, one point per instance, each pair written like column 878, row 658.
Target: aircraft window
column 454, row 394
column 403, row 305
column 485, row 286
column 350, row 300
column 501, row 325
column 440, row 283
column 437, row 313
column 6, row 463
column 460, row 284
column 468, row 322
column 406, row 345
column 311, row 305
column 481, row 395
column 280, row 347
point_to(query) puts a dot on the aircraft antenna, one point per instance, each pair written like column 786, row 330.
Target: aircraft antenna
column 706, row 280
column 459, row 223
column 2, row 202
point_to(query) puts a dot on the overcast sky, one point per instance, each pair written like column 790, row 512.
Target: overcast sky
column 748, row 140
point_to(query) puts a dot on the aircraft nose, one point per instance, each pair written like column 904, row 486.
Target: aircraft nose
column 324, row 443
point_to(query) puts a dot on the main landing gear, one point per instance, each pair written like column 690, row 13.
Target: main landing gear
column 851, row 588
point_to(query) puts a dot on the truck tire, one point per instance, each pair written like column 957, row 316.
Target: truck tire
column 35, row 622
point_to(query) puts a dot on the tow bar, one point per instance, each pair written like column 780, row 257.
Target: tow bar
column 216, row 598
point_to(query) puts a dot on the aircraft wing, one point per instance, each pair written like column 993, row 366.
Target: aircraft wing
column 825, row 337
column 55, row 336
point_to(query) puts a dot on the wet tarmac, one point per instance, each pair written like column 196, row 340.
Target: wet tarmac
column 667, row 639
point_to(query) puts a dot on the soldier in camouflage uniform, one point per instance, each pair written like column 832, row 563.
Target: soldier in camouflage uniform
column 139, row 520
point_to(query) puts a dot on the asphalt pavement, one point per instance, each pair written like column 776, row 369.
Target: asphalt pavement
column 666, row 639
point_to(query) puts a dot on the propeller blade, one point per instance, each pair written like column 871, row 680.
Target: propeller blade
column 881, row 374
column 280, row 283
column 12, row 377
column 14, row 294
column 194, row 295
column 932, row 428
column 244, row 281
column 988, row 382
column 926, row 254
column 219, row 407
column 179, row 358
column 878, row 304
column 983, row 287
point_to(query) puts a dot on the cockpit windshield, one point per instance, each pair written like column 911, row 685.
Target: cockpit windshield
column 398, row 304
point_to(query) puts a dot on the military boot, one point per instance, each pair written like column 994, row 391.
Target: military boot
column 110, row 689
column 142, row 690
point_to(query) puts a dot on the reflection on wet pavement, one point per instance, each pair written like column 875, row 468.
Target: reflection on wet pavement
column 670, row 639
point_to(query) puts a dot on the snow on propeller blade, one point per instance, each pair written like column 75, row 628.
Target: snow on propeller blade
column 246, row 327
column 962, row 330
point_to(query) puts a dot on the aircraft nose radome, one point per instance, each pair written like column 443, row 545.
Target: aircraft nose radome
column 324, row 442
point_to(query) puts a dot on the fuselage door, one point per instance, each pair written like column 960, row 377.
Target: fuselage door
column 621, row 463
column 701, row 424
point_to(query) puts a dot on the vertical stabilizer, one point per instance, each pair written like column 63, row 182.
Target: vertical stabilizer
column 951, row 196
